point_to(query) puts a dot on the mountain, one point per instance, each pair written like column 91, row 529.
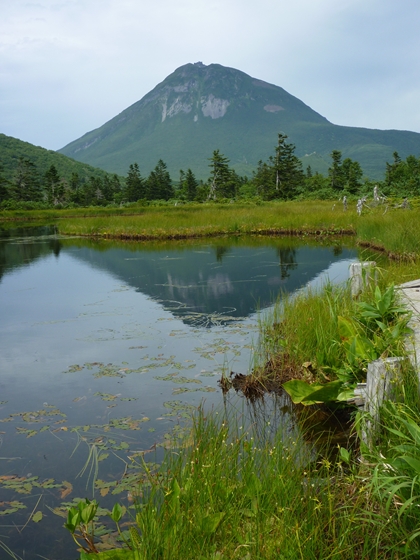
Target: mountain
column 199, row 108
column 11, row 149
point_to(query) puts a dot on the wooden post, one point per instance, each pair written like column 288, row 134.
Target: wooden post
column 381, row 377
column 361, row 274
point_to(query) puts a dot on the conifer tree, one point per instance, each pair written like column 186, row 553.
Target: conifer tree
column 135, row 186
column 263, row 178
column 111, row 186
column 74, row 181
column 26, row 185
column 344, row 175
column 191, row 185
column 288, row 169
column 282, row 175
column 352, row 173
column 159, row 184
column 223, row 182
column 335, row 172
column 54, row 186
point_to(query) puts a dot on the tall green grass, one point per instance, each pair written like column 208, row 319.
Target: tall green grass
column 301, row 333
column 395, row 459
column 397, row 231
column 214, row 219
column 228, row 495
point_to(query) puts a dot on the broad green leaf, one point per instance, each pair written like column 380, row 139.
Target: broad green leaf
column 327, row 393
column 382, row 326
column 298, row 390
column 387, row 300
column 345, row 395
column 346, row 328
column 117, row 512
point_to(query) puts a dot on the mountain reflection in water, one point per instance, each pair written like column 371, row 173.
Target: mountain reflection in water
column 231, row 280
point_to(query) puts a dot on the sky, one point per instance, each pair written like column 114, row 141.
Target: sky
column 69, row 66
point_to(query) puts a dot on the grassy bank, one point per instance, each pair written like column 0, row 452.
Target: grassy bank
column 215, row 219
column 325, row 338
column 231, row 493
column 397, row 231
column 394, row 230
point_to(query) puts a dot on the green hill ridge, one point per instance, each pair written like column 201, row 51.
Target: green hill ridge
column 12, row 149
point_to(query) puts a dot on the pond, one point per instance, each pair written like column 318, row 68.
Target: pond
column 105, row 348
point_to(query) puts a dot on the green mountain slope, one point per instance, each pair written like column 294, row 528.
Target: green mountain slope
column 11, row 149
column 199, row 108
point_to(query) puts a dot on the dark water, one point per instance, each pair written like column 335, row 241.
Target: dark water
column 108, row 346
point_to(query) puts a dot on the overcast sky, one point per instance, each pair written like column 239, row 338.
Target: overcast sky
column 68, row 66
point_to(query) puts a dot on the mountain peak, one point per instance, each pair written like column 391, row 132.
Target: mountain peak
column 200, row 108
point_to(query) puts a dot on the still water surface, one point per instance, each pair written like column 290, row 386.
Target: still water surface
column 111, row 344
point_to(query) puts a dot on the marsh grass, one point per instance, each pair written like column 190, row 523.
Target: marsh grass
column 396, row 459
column 300, row 337
column 323, row 335
column 397, row 231
column 394, row 231
column 315, row 218
column 230, row 496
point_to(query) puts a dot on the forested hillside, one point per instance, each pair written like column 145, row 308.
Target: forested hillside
column 33, row 178
column 30, row 173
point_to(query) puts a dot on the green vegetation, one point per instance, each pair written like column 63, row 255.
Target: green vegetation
column 230, row 491
column 30, row 178
column 396, row 232
column 216, row 219
column 318, row 345
column 386, row 228
column 397, row 458
column 236, row 491
column 37, row 171
column 282, row 176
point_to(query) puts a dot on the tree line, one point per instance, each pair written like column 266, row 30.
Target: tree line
column 281, row 177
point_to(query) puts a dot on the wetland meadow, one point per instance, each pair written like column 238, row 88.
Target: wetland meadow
column 115, row 333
